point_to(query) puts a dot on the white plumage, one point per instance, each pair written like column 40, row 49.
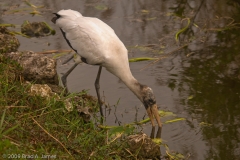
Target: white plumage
column 97, row 44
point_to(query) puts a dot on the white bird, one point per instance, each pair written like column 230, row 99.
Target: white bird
column 97, row 44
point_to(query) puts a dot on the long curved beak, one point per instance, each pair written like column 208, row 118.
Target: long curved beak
column 153, row 112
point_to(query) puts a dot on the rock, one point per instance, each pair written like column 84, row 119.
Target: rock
column 83, row 103
column 46, row 91
column 36, row 67
column 42, row 90
column 56, row 88
column 85, row 113
column 144, row 145
column 8, row 42
column 68, row 104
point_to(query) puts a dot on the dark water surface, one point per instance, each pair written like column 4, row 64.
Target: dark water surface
column 200, row 82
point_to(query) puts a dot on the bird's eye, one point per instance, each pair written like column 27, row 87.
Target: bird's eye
column 151, row 101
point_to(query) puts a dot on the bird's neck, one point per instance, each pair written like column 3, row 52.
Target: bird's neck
column 123, row 72
column 133, row 85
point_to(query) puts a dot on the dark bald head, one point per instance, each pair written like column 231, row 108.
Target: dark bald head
column 148, row 97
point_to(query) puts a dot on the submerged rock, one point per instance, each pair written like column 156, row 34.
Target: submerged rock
column 36, row 67
column 36, row 29
column 8, row 42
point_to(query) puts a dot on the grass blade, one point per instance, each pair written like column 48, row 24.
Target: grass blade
column 182, row 30
column 2, row 119
column 141, row 59
column 10, row 129
column 175, row 120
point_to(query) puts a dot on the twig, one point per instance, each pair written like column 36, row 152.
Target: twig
column 12, row 140
column 69, row 134
column 15, row 106
column 46, row 113
column 130, row 153
column 52, row 136
column 93, row 152
column 107, row 138
column 158, row 59
column 32, row 112
column 117, row 136
column 54, row 51
column 16, row 142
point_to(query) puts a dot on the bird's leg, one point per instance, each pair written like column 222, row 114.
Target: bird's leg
column 97, row 87
column 64, row 77
column 67, row 60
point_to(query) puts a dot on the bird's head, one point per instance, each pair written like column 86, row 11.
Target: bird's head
column 68, row 14
column 147, row 96
column 149, row 101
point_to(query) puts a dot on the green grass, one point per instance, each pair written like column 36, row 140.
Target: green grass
column 34, row 125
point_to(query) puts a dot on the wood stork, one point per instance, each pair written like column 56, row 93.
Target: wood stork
column 97, row 44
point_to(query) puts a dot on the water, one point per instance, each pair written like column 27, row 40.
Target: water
column 200, row 82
